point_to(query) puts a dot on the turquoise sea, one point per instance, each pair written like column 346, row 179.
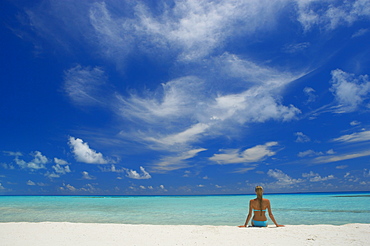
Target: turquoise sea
column 289, row 209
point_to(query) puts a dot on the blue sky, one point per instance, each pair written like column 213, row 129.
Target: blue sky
column 184, row 97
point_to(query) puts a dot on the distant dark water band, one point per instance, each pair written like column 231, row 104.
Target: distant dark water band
column 323, row 210
column 353, row 196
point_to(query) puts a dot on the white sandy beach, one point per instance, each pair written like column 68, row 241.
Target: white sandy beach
column 56, row 233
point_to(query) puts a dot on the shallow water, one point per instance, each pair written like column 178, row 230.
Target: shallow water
column 291, row 209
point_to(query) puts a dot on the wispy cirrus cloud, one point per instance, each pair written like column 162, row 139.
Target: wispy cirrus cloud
column 188, row 30
column 331, row 14
column 176, row 161
column 354, row 137
column 335, row 158
column 254, row 154
column 85, row 85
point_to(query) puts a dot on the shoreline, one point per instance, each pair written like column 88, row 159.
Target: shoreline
column 66, row 233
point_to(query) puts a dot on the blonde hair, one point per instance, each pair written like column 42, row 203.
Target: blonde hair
column 259, row 193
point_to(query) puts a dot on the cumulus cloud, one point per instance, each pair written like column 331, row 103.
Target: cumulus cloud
column 310, row 92
column 254, row 154
column 60, row 161
column 309, row 152
column 282, row 178
column 301, row 138
column 86, row 175
column 315, row 177
column 83, row 153
column 38, row 161
column 12, row 153
column 61, row 169
column 113, row 169
column 350, row 92
column 354, row 137
column 30, row 182
column 68, row 187
column 135, row 175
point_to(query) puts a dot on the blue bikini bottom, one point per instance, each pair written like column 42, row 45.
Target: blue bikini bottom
column 259, row 223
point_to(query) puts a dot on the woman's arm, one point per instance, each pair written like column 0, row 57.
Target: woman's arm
column 249, row 215
column 271, row 215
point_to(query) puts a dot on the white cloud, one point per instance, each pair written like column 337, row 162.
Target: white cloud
column 84, row 86
column 354, row 137
column 253, row 105
column 315, row 177
column 11, row 153
column 366, row 172
column 68, row 187
column 83, row 153
column 30, row 182
column 251, row 73
column 360, row 33
column 60, row 161
column 86, row 175
column 341, row 166
column 327, row 159
column 296, row 47
column 177, row 161
column 189, row 30
column 301, row 138
column 113, row 169
column 355, row 123
column 309, row 152
column 191, row 111
column 282, row 178
column 254, row 154
column 189, row 135
column 61, row 169
column 331, row 14
column 244, row 170
column 350, row 92
column 174, row 99
column 38, row 161
column 135, row 175
column 196, row 28
column 310, row 92
column 2, row 187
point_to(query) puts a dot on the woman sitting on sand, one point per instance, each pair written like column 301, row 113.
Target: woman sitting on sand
column 259, row 206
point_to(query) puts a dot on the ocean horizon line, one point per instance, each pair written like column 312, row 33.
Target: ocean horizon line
column 188, row 195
